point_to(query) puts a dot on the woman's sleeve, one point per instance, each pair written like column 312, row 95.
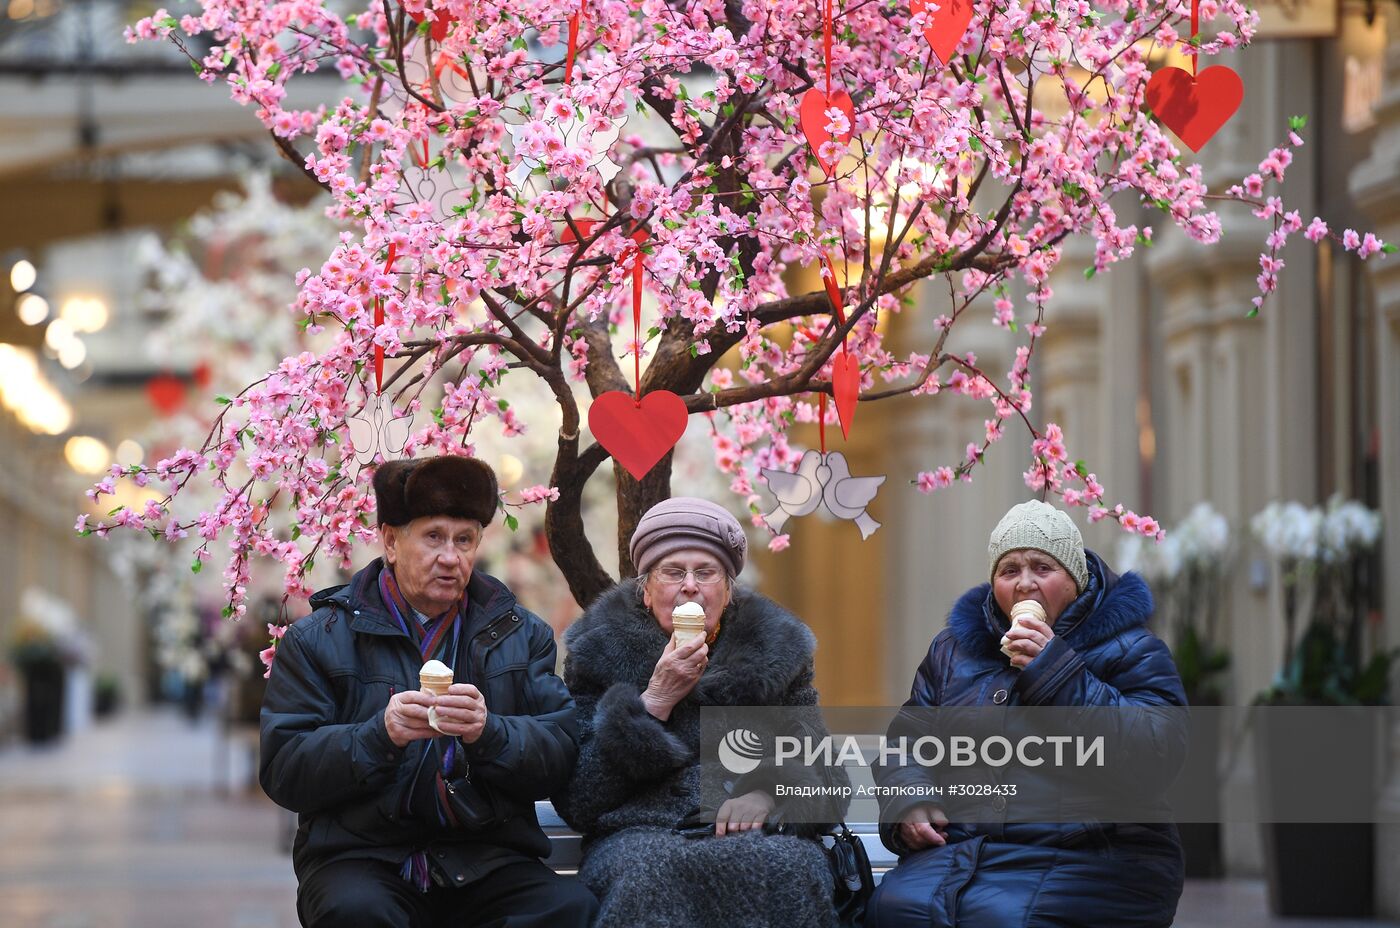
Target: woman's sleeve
column 903, row 786
column 621, row 747
column 1137, row 705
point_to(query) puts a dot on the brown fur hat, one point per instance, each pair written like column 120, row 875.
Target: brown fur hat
column 448, row 485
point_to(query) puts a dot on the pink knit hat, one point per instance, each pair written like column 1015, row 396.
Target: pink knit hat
column 685, row 522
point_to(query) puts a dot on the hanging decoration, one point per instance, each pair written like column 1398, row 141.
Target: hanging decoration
column 166, row 393
column 823, row 478
column 638, row 431
column 1195, row 106
column 815, row 103
column 379, row 431
column 945, row 25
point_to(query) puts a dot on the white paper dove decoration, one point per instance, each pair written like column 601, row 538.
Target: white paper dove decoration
column 379, row 431
column 573, row 130
column 822, row 480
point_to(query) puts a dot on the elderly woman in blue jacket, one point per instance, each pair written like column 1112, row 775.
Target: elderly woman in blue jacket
column 1092, row 649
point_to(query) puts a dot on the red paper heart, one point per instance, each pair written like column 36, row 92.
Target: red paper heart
column 845, row 385
column 946, row 25
column 638, row 435
column 440, row 25
column 1195, row 108
column 166, row 393
column 815, row 103
column 585, row 229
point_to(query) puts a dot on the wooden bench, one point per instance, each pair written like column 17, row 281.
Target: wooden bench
column 566, row 845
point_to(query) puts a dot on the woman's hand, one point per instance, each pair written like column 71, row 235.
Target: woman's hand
column 1026, row 640
column 743, row 813
column 676, row 674
column 922, row 827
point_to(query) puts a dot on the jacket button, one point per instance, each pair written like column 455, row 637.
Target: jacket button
column 998, row 803
column 515, row 618
column 1000, row 696
column 495, row 634
column 460, row 877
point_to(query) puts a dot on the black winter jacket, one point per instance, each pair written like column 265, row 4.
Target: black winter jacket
column 326, row 754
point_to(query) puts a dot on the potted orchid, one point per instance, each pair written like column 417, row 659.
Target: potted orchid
column 1326, row 558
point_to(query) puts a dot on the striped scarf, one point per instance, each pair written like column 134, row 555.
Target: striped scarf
column 435, row 639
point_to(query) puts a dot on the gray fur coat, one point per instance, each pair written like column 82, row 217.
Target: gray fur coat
column 637, row 776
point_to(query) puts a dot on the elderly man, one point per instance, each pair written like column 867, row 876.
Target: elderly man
column 418, row 809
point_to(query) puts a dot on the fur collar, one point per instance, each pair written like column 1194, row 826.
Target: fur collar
column 760, row 650
column 1111, row 605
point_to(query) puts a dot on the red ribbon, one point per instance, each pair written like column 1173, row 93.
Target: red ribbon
column 1195, row 32
column 378, row 321
column 573, row 44
column 826, row 43
column 637, row 237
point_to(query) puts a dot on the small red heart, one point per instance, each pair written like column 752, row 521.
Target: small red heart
column 845, row 385
column 166, row 393
column 815, row 103
column 1195, row 108
column 636, row 434
column 946, row 25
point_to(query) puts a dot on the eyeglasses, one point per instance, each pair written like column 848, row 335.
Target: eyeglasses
column 705, row 576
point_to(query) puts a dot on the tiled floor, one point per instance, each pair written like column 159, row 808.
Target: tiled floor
column 143, row 823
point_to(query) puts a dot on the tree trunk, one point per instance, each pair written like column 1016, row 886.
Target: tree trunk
column 563, row 522
column 634, row 498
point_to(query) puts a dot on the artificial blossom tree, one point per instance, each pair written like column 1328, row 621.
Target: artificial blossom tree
column 506, row 224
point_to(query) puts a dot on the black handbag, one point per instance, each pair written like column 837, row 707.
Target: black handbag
column 850, row 873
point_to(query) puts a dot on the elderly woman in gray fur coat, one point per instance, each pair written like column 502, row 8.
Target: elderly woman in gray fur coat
column 638, row 775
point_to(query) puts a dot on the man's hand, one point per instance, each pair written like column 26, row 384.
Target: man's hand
column 406, row 717
column 676, row 674
column 1026, row 640
column 462, row 712
column 924, row 826
column 743, row 813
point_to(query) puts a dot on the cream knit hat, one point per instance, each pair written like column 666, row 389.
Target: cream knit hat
column 1040, row 526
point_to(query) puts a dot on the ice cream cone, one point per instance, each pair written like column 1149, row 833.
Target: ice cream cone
column 435, row 677
column 1025, row 609
column 687, row 621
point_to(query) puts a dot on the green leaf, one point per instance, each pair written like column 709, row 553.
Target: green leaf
column 1297, row 123
column 1390, row 248
column 512, row 522
column 1089, row 272
column 1081, row 469
column 227, row 612
column 197, row 566
column 520, row 42
column 1253, row 311
column 223, row 400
